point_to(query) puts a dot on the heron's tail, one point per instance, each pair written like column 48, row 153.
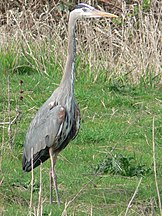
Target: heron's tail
column 38, row 158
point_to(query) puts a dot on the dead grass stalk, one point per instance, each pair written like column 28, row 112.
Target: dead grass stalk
column 155, row 168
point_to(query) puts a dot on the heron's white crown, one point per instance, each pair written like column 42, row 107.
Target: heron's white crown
column 87, row 11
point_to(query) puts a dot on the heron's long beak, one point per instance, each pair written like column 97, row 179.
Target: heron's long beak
column 97, row 13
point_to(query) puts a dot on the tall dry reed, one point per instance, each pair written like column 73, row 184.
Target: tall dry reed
column 129, row 46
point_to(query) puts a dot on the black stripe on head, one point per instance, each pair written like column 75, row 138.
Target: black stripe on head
column 83, row 5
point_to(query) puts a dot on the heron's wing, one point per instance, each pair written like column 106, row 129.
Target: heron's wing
column 74, row 129
column 43, row 132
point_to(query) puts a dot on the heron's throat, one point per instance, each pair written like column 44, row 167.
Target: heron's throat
column 68, row 75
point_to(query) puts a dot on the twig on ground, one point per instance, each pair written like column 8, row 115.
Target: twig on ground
column 154, row 161
column 9, row 113
column 10, row 122
column 91, row 210
column 13, row 121
column 32, row 183
column 79, row 192
column 1, row 181
column 131, row 200
column 40, row 207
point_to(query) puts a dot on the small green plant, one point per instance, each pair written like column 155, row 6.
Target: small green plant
column 119, row 164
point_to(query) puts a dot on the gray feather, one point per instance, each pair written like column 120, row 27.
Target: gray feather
column 43, row 129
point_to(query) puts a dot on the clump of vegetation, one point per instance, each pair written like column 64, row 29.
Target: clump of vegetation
column 119, row 164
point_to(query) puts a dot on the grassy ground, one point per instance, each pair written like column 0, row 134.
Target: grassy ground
column 118, row 88
column 116, row 123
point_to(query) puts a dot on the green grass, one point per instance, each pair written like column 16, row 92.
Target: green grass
column 116, row 120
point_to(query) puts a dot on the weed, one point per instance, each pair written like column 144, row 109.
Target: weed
column 119, row 164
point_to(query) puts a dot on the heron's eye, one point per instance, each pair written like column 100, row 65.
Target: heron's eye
column 84, row 9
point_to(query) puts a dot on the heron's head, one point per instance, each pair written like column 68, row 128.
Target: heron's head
column 83, row 10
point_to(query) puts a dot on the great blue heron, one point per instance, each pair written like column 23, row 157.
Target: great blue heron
column 58, row 119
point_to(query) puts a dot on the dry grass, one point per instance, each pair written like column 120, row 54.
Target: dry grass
column 129, row 46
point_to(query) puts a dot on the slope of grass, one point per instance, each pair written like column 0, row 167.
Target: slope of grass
column 116, row 119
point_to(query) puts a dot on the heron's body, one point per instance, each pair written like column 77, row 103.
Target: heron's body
column 54, row 125
column 58, row 120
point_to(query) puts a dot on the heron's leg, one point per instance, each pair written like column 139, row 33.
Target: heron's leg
column 54, row 177
column 56, row 188
column 50, row 175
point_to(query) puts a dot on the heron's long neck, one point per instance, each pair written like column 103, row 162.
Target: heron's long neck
column 68, row 75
